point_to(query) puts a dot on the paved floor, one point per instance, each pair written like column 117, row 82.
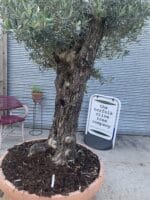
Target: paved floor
column 127, row 167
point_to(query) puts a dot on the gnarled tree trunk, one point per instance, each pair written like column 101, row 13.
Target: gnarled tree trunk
column 73, row 71
column 70, row 87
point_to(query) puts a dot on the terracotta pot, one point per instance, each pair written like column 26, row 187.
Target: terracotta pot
column 13, row 194
column 37, row 97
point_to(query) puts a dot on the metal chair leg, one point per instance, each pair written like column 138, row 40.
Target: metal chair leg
column 22, row 130
column 1, row 130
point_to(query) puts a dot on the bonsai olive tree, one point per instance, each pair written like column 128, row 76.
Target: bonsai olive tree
column 68, row 35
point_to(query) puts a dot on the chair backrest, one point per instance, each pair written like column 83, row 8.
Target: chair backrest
column 9, row 102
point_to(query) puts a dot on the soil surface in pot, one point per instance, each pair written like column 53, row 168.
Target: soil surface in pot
column 34, row 174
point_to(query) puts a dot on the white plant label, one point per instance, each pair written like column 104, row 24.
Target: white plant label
column 53, row 181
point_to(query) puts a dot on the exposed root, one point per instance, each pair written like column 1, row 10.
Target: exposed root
column 61, row 154
column 69, row 139
column 42, row 147
column 58, row 159
column 63, row 157
column 38, row 148
column 52, row 143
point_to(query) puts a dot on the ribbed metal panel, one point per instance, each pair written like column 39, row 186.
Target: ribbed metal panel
column 22, row 75
column 131, row 84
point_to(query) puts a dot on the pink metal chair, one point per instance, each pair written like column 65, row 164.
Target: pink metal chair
column 7, row 105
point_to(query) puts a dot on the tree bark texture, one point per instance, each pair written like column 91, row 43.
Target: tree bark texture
column 73, row 71
column 70, row 91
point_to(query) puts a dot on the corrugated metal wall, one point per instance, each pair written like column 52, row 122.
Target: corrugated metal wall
column 131, row 84
column 22, row 75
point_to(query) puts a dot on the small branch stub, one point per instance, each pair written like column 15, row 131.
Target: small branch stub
column 52, row 143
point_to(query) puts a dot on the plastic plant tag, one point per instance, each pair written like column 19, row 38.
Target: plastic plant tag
column 53, row 181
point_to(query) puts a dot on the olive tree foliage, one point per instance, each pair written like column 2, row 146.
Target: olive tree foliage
column 50, row 27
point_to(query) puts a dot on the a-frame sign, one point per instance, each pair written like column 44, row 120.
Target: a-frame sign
column 102, row 121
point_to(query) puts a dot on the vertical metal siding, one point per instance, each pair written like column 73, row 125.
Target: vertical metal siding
column 22, row 75
column 131, row 84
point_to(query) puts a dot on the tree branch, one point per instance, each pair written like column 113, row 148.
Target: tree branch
column 89, row 48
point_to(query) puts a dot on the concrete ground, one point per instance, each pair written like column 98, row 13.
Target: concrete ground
column 126, row 168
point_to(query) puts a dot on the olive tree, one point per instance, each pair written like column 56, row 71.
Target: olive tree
column 68, row 35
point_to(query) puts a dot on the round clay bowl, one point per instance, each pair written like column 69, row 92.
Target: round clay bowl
column 13, row 194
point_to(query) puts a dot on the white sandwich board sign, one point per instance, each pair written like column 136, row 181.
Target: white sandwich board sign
column 102, row 121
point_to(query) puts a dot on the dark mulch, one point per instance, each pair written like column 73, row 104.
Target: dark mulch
column 34, row 174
